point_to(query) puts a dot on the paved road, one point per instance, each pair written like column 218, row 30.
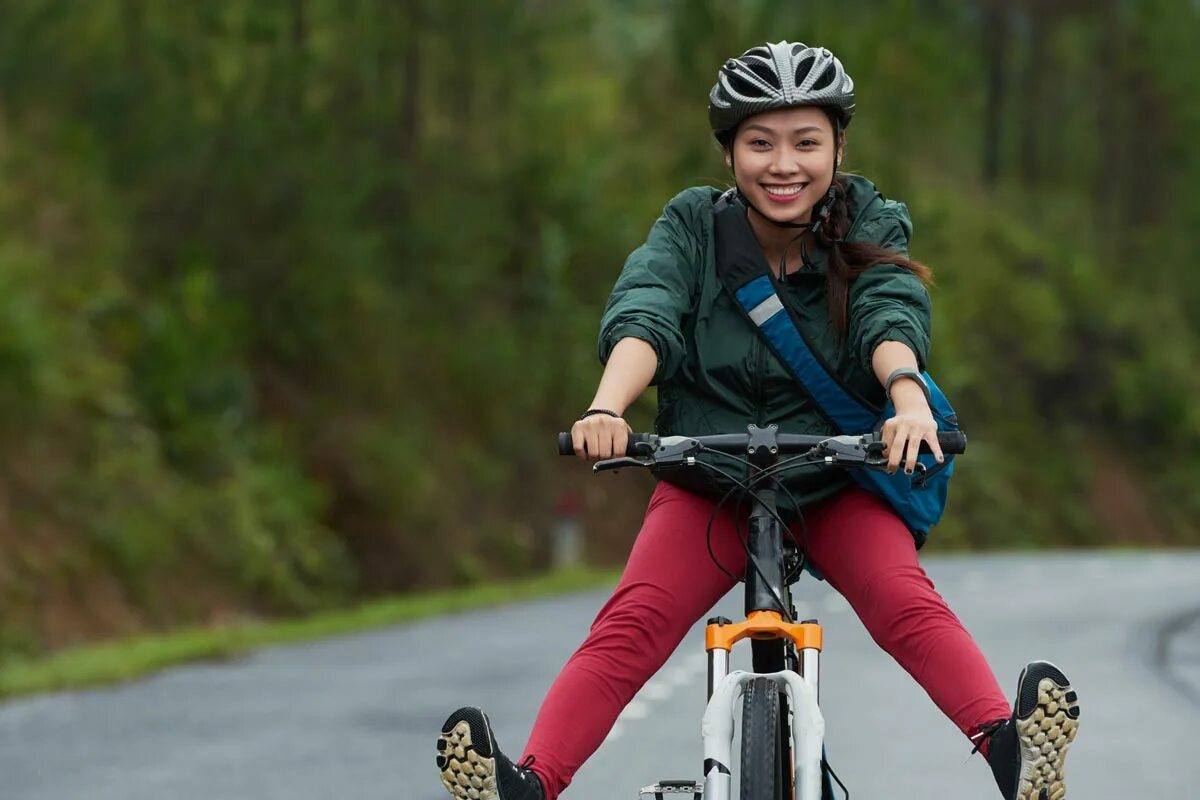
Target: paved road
column 355, row 717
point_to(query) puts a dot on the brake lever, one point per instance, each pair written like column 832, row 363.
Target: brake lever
column 850, row 451
column 672, row 451
column 875, row 459
column 619, row 463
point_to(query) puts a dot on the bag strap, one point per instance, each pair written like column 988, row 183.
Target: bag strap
column 744, row 273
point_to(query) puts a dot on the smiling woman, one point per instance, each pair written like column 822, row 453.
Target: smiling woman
column 861, row 308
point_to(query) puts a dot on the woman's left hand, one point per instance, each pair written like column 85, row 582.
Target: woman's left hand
column 903, row 435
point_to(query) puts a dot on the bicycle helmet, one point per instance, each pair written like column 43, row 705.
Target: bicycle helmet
column 780, row 75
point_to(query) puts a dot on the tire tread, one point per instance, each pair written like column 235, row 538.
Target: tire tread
column 760, row 773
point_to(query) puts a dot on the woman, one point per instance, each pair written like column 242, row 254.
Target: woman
column 839, row 251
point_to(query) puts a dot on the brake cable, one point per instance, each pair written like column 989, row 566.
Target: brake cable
column 747, row 488
column 772, row 473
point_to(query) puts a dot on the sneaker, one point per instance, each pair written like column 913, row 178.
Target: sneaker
column 473, row 768
column 1026, row 752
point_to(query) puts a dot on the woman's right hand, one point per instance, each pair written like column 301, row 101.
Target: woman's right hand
column 600, row 436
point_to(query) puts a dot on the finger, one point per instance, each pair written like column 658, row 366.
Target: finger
column 910, row 463
column 604, row 440
column 936, row 446
column 896, row 450
column 887, row 434
column 593, row 443
column 620, row 441
column 577, row 440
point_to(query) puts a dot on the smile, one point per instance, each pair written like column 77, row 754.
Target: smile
column 784, row 192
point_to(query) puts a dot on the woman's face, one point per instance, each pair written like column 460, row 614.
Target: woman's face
column 783, row 161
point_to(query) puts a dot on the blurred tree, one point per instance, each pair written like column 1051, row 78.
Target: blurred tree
column 293, row 294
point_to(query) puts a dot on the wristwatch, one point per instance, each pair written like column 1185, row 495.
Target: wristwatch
column 906, row 372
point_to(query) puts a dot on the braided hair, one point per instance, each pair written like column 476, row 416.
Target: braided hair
column 848, row 260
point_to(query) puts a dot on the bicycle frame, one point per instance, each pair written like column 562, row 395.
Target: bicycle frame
column 765, row 622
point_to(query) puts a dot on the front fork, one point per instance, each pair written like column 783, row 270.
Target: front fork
column 725, row 690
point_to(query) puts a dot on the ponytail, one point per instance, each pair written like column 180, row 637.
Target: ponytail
column 848, row 260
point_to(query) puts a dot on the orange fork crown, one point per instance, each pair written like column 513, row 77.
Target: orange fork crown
column 762, row 625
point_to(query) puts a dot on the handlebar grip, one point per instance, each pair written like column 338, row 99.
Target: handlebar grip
column 953, row 442
column 567, row 448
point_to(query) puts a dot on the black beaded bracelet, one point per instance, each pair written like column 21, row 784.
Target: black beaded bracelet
column 593, row 411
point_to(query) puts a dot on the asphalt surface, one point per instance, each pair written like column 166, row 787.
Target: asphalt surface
column 356, row 717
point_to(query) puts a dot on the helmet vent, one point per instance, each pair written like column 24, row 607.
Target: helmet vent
column 743, row 87
column 764, row 71
column 803, row 68
column 826, row 78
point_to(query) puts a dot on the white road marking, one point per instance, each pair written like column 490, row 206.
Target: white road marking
column 834, row 604
column 678, row 676
column 636, row 709
column 682, row 671
column 657, row 690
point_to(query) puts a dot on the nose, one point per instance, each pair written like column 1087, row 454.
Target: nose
column 785, row 162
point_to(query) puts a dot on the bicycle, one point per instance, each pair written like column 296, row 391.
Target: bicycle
column 783, row 730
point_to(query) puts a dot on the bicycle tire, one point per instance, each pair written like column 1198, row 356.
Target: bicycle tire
column 762, row 746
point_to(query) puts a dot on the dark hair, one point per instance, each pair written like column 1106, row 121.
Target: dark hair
column 848, row 260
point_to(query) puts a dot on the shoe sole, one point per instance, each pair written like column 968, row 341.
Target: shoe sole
column 1047, row 721
column 465, row 756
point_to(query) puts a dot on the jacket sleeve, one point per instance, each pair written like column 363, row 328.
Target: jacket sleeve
column 887, row 302
column 654, row 291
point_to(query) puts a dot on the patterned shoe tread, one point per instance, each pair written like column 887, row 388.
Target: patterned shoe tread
column 1047, row 721
column 465, row 756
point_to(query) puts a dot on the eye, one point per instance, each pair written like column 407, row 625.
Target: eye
column 759, row 143
column 809, row 143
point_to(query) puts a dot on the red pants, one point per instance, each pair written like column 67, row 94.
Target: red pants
column 856, row 541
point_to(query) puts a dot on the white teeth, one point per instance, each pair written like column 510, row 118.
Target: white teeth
column 785, row 191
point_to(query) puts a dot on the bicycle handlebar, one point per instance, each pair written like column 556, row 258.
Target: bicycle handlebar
column 952, row 442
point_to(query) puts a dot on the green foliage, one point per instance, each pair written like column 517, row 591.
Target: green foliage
column 294, row 295
column 122, row 660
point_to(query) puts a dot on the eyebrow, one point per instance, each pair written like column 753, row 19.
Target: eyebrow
column 808, row 128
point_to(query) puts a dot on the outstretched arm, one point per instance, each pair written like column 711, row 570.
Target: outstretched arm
column 631, row 366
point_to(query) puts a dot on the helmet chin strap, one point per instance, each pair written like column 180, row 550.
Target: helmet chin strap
column 820, row 213
column 823, row 216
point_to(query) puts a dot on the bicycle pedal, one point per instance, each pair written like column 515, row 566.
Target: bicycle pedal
column 673, row 790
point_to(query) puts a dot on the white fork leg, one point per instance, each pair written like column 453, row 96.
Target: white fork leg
column 808, row 734
column 717, row 729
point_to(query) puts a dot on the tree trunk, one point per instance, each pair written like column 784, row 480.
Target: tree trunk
column 299, row 40
column 408, row 133
column 995, row 47
column 1033, row 100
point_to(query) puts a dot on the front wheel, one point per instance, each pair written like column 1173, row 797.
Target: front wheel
column 763, row 752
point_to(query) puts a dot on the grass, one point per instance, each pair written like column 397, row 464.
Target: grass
column 123, row 660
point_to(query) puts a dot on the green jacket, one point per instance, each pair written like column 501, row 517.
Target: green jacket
column 715, row 375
